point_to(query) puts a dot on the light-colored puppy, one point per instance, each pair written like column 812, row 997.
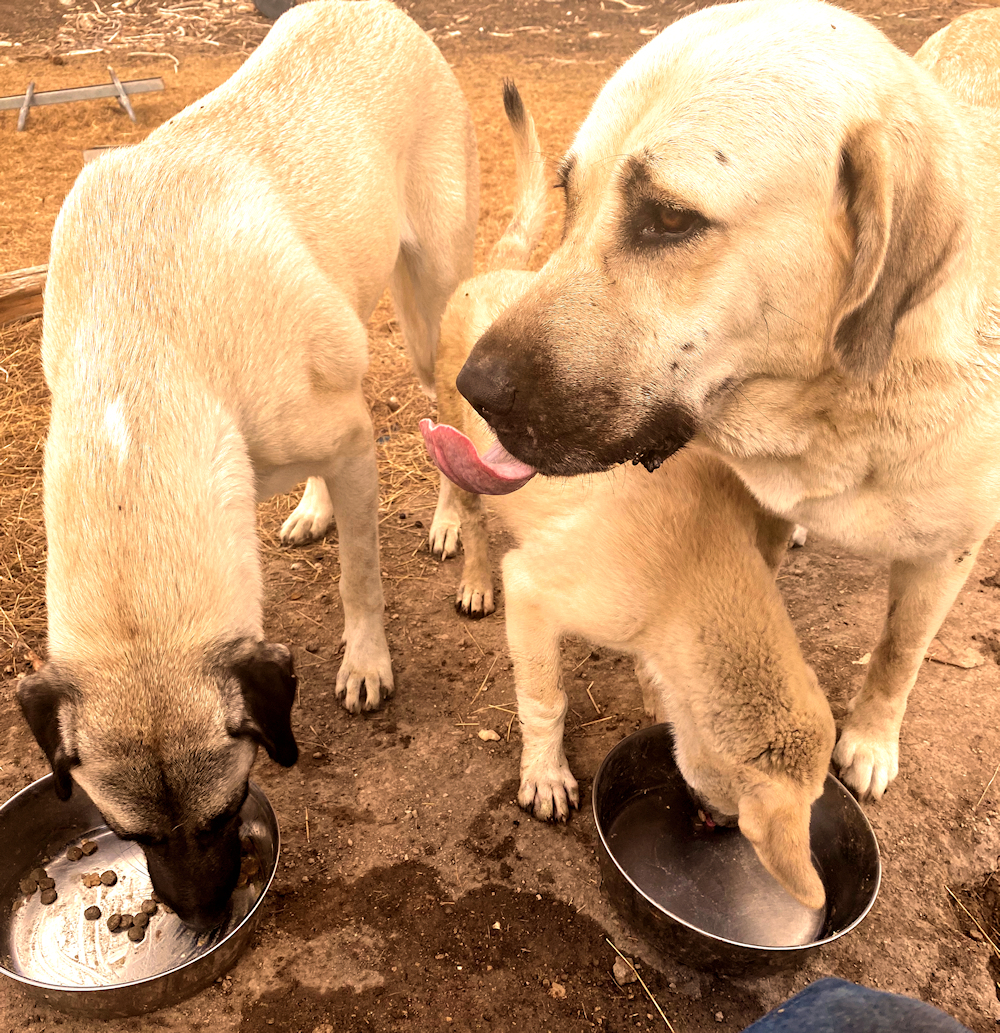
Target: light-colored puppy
column 782, row 242
column 676, row 569
column 204, row 343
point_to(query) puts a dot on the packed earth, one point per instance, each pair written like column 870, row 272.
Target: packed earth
column 412, row 892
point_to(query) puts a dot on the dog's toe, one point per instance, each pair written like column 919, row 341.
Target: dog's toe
column 443, row 539
column 549, row 799
column 867, row 764
column 474, row 601
column 364, row 681
column 303, row 528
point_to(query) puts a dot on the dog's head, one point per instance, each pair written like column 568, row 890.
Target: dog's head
column 164, row 751
column 762, row 768
column 759, row 197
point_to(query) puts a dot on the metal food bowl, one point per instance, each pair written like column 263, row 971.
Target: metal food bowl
column 80, row 966
column 700, row 895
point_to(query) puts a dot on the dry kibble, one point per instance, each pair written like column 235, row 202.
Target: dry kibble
column 136, row 933
column 109, row 878
column 46, row 883
column 149, row 907
column 114, row 922
column 74, row 853
column 242, row 881
column 91, row 879
column 38, row 874
column 92, row 913
column 28, row 886
column 141, row 919
column 155, row 897
column 126, row 922
column 48, row 896
column 88, row 846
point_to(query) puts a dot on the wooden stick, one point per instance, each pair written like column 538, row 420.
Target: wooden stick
column 22, row 117
column 21, row 293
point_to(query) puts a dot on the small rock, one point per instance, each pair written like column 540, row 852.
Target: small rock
column 975, row 934
column 393, row 402
column 488, row 735
column 557, row 992
column 623, row 972
column 719, row 1016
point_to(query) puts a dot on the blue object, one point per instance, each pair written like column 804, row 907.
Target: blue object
column 837, row 1006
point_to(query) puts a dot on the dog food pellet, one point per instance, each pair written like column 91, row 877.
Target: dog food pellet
column 155, row 897
column 149, row 907
column 74, row 853
column 114, row 922
column 48, row 896
column 136, row 933
column 141, row 919
column 88, row 846
column 92, row 913
column 28, row 886
column 109, row 878
column 37, row 874
column 46, row 883
column 242, row 880
column 126, row 922
column 91, row 879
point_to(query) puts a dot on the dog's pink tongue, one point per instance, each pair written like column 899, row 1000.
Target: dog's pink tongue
column 495, row 472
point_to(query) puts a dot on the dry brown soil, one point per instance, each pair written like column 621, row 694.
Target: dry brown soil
column 412, row 893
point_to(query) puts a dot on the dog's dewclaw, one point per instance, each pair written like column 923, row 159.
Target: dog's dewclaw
column 495, row 472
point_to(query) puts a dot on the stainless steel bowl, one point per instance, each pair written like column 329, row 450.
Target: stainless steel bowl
column 701, row 895
column 66, row 961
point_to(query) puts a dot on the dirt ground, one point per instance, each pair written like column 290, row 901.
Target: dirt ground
column 412, row 893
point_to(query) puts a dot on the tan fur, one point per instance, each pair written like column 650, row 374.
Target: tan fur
column 676, row 569
column 205, row 343
column 828, row 323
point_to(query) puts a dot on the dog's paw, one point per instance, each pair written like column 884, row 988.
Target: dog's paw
column 308, row 523
column 364, row 678
column 444, row 536
column 549, row 797
column 475, row 599
column 867, row 762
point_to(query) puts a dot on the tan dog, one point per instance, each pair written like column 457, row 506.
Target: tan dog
column 204, row 343
column 676, row 569
column 782, row 241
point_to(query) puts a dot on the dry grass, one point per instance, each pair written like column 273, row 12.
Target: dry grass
column 23, row 418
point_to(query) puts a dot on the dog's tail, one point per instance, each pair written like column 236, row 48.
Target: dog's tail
column 525, row 229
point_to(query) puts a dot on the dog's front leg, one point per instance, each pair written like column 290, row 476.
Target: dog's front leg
column 352, row 481
column 458, row 509
column 920, row 596
column 548, row 789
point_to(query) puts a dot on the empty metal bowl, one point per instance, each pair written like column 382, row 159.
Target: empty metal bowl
column 701, row 895
column 77, row 965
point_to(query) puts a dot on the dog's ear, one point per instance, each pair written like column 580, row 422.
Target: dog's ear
column 906, row 224
column 267, row 683
column 775, row 818
column 45, row 702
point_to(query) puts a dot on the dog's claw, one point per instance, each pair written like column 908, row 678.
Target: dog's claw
column 550, row 799
column 474, row 602
column 443, row 539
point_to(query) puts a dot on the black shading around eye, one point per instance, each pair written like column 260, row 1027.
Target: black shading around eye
column 649, row 219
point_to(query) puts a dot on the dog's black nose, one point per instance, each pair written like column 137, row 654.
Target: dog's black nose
column 486, row 386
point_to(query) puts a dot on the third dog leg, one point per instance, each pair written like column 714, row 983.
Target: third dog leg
column 548, row 789
column 920, row 596
column 366, row 672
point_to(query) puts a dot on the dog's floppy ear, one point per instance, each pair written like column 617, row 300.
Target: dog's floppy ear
column 267, row 683
column 775, row 818
column 906, row 225
column 45, row 700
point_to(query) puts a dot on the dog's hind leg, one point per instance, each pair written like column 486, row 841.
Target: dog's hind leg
column 548, row 789
column 311, row 518
column 351, row 477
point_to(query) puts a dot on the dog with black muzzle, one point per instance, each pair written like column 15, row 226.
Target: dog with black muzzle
column 782, row 244
column 676, row 569
column 204, row 343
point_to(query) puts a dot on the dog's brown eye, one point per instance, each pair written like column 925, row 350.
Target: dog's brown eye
column 662, row 224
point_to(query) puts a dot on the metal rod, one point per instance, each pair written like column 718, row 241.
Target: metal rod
column 122, row 95
column 22, row 118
